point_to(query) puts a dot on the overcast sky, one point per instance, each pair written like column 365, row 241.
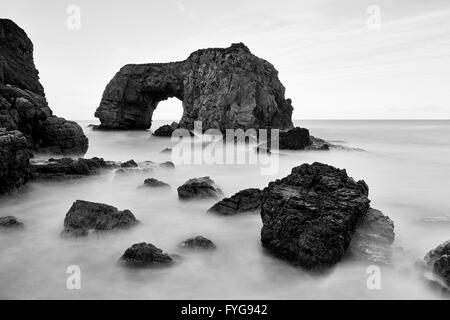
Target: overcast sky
column 332, row 64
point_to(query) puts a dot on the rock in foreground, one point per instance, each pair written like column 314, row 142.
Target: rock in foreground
column 244, row 200
column 199, row 188
column 310, row 216
column 10, row 222
column 145, row 255
column 86, row 216
column 438, row 260
column 198, row 242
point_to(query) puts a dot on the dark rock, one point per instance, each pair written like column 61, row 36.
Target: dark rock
column 224, row 88
column 198, row 242
column 167, row 164
column 23, row 105
column 199, row 188
column 166, row 130
column 154, row 183
column 10, row 222
column 129, row 164
column 244, row 200
column 14, row 160
column 438, row 260
column 166, row 150
column 319, row 144
column 145, row 255
column 294, row 139
column 373, row 238
column 310, row 216
column 85, row 216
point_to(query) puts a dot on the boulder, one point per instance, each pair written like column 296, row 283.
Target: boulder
column 10, row 222
column 86, row 216
column 14, row 160
column 310, row 216
column 166, row 130
column 199, row 188
column 155, row 183
column 145, row 255
column 225, row 88
column 294, row 139
column 129, row 164
column 438, row 260
column 198, row 242
column 244, row 200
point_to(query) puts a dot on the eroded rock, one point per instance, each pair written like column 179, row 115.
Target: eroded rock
column 244, row 200
column 145, row 255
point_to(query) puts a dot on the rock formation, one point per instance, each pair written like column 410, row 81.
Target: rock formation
column 310, row 216
column 222, row 87
column 198, row 242
column 145, row 255
column 199, row 188
column 23, row 105
column 438, row 260
column 244, row 200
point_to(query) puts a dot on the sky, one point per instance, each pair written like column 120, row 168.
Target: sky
column 346, row 59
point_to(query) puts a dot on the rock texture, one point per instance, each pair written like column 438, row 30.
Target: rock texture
column 14, row 160
column 198, row 242
column 23, row 105
column 10, row 222
column 438, row 260
column 199, row 188
column 145, row 255
column 86, row 216
column 244, row 200
column 310, row 216
column 222, row 87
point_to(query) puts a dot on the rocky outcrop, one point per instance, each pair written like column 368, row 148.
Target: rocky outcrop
column 10, row 222
column 145, row 255
column 166, row 130
column 14, row 160
column 222, row 87
column 438, row 260
column 86, row 216
column 244, row 200
column 155, row 183
column 198, row 242
column 199, row 188
column 310, row 216
column 23, row 105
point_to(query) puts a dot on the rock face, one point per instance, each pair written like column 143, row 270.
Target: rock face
column 23, row 105
column 244, row 200
column 166, row 130
column 85, row 216
column 198, row 242
column 222, row 87
column 310, row 216
column 199, row 188
column 145, row 255
column 14, row 160
column 10, row 222
column 438, row 260
column 373, row 238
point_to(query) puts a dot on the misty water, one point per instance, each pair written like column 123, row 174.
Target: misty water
column 405, row 163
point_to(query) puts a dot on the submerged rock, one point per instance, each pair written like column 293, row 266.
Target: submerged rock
column 167, row 164
column 373, row 238
column 244, row 200
column 14, row 160
column 310, row 216
column 166, row 130
column 166, row 150
column 154, row 183
column 145, row 255
column 85, row 216
column 438, row 260
column 10, row 222
column 199, row 188
column 198, row 242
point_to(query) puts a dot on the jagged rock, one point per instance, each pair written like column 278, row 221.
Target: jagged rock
column 23, row 105
column 244, row 200
column 438, row 260
column 199, row 188
column 222, row 87
column 166, row 130
column 10, row 222
column 68, row 168
column 14, row 160
column 85, row 216
column 145, row 255
column 129, row 164
column 310, row 216
column 198, row 242
column 155, row 183
column 373, row 238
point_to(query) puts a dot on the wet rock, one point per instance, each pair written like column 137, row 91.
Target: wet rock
column 129, row 164
column 14, row 160
column 222, row 87
column 154, row 183
column 244, row 200
column 166, row 130
column 438, row 260
column 310, row 216
column 198, row 242
column 145, row 255
column 199, row 188
column 373, row 238
column 10, row 222
column 86, row 216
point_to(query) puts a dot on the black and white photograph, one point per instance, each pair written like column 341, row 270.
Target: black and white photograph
column 239, row 150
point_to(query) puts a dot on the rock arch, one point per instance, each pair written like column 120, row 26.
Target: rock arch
column 222, row 87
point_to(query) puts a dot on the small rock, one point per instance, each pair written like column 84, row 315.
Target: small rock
column 198, row 242
column 167, row 164
column 244, row 200
column 145, row 255
column 68, row 168
column 199, row 188
column 10, row 222
column 166, row 150
column 154, row 183
column 129, row 164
